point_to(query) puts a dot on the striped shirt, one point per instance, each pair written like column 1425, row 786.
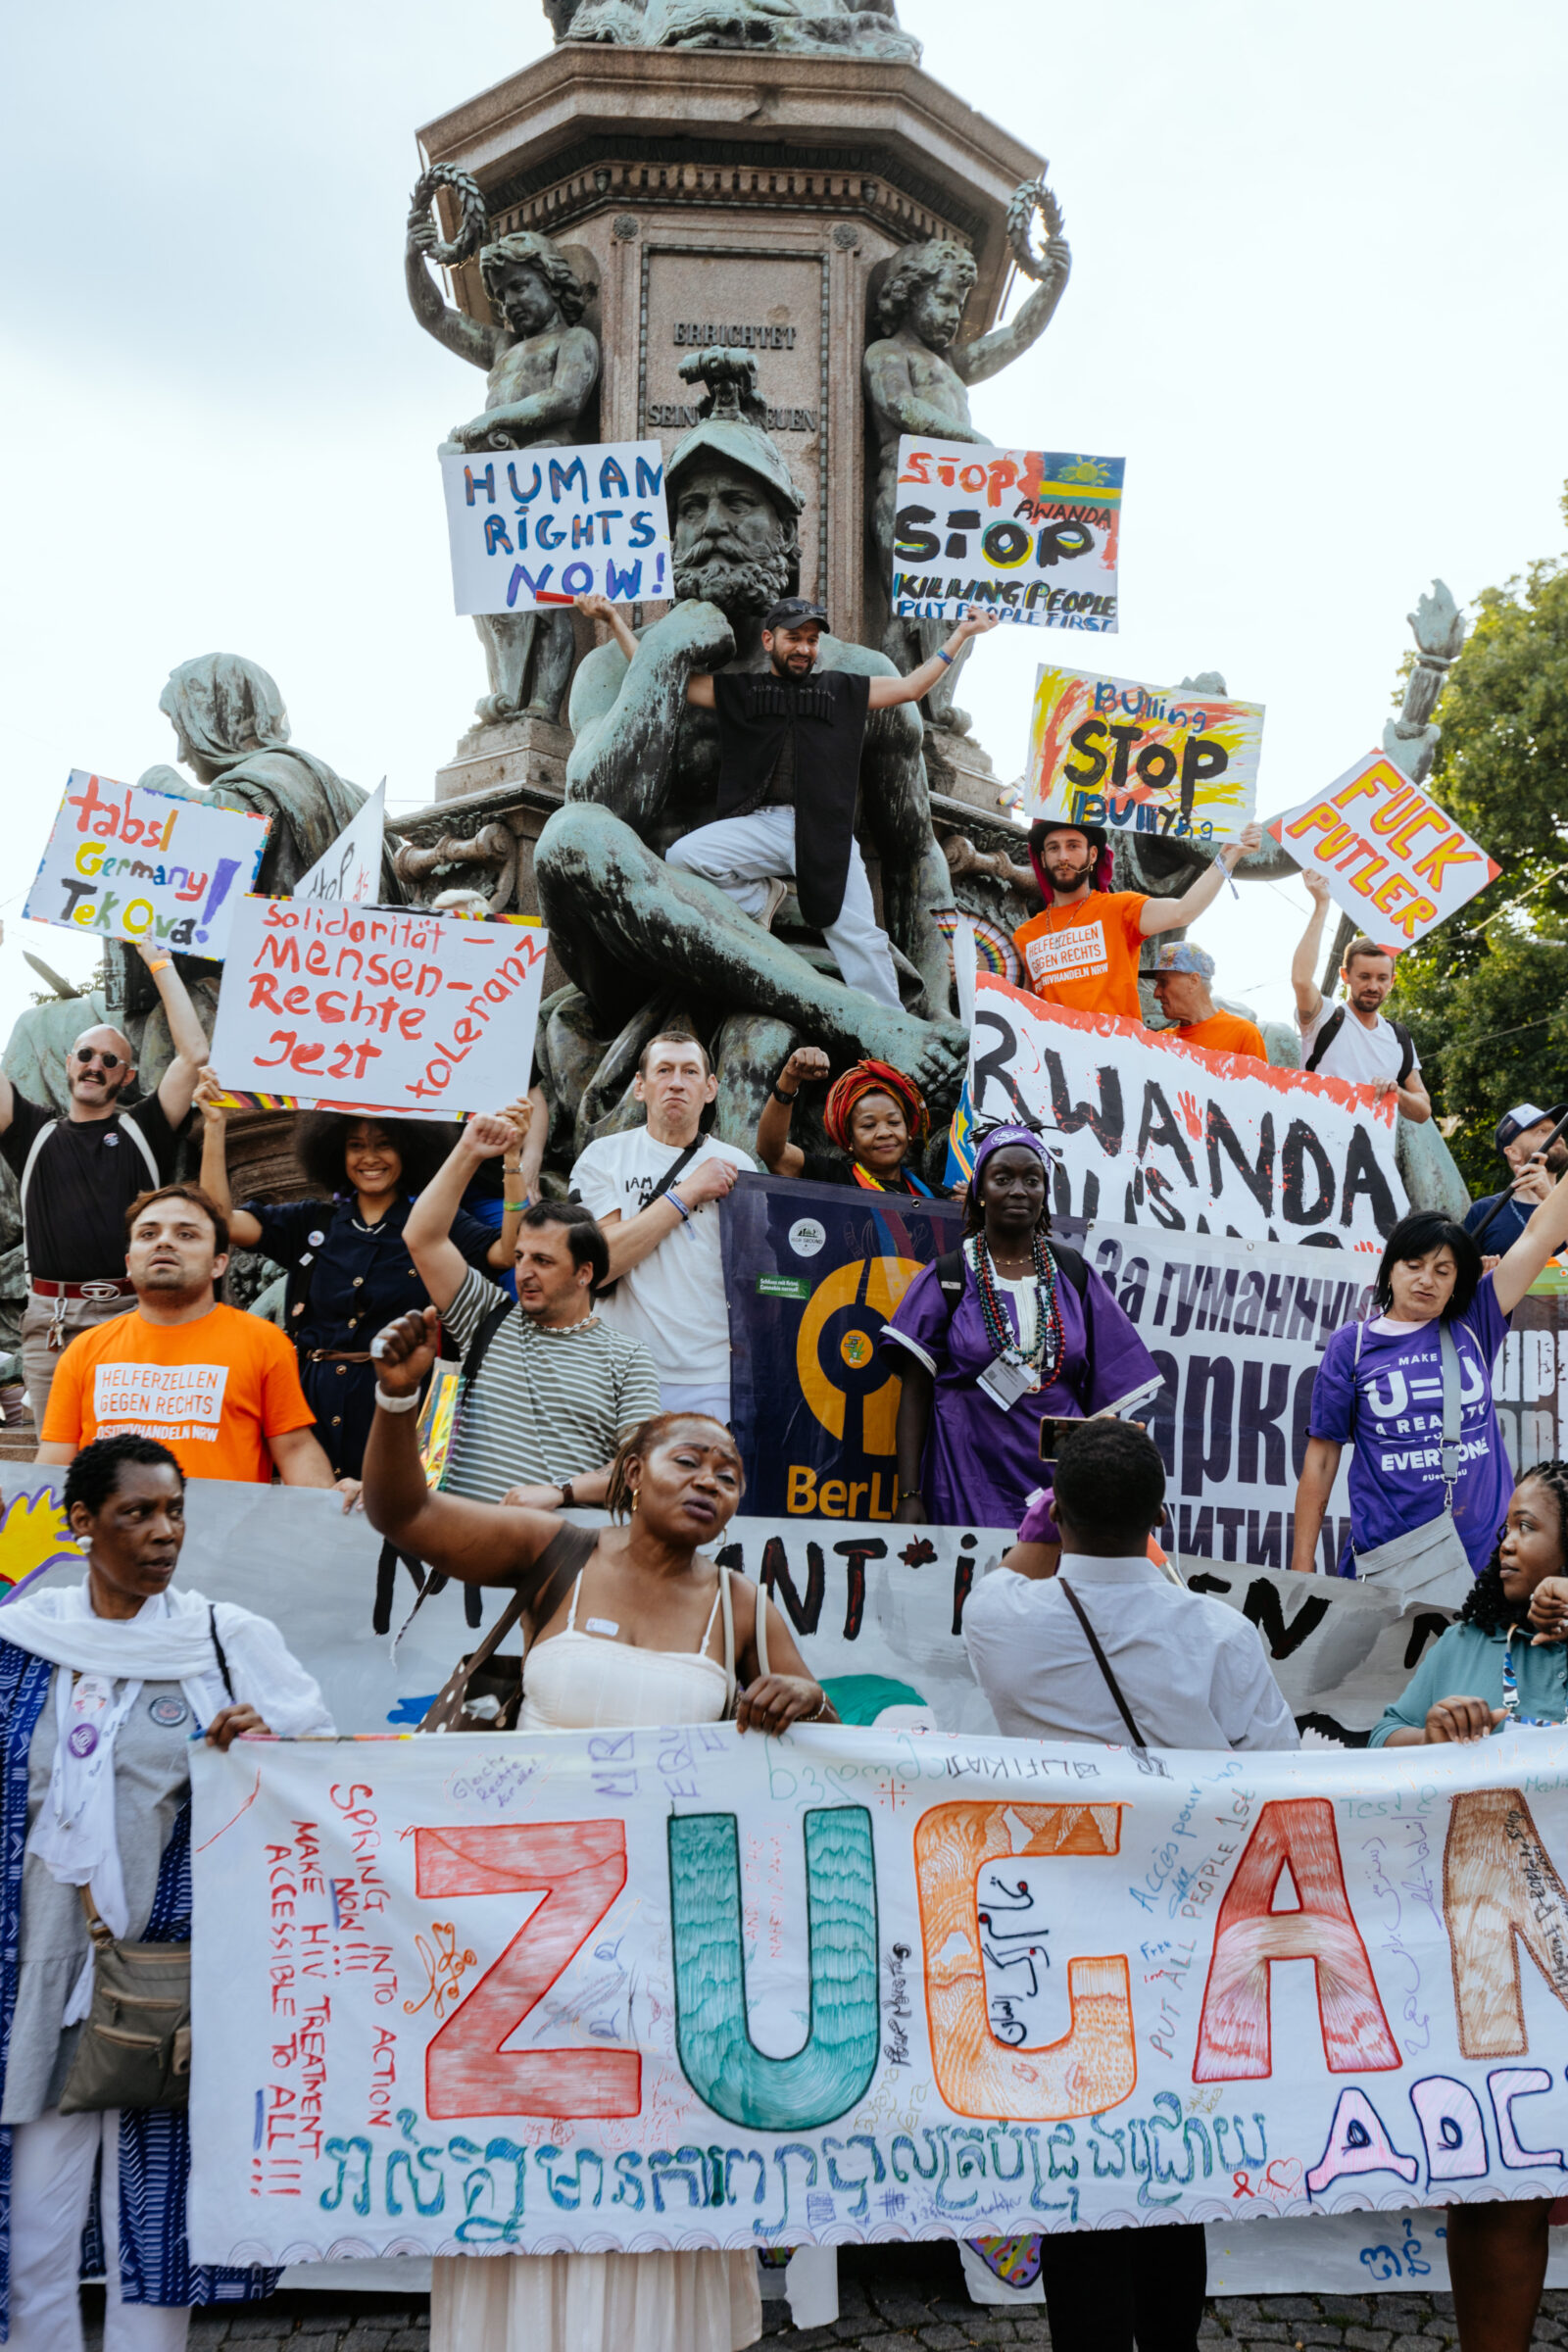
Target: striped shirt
column 548, row 1404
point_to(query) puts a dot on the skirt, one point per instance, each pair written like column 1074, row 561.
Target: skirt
column 702, row 2302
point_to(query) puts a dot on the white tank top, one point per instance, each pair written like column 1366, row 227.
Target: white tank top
column 576, row 1682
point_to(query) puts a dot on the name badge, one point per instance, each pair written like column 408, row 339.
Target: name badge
column 1005, row 1383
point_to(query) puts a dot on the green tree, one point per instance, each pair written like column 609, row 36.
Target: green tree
column 1487, row 993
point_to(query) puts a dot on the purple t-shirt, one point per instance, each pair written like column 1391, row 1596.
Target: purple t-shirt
column 1390, row 1407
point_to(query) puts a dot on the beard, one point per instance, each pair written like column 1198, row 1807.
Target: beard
column 1071, row 882
column 722, row 572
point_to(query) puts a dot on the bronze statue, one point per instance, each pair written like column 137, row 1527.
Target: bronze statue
column 643, row 772
column 820, row 27
column 542, row 366
column 917, row 380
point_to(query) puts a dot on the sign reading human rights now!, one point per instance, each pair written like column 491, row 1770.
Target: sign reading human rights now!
column 564, row 1993
column 532, row 529
column 127, row 863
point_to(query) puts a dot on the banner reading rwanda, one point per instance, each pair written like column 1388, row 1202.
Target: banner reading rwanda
column 812, row 1271
column 681, row 1988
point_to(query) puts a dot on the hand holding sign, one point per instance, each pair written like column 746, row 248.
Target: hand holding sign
column 536, row 529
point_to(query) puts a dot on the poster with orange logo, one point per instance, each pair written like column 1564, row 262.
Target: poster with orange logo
column 812, row 1271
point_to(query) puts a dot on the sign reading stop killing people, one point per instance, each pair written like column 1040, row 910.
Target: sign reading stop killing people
column 1029, row 534
column 532, row 529
column 1395, row 862
column 127, row 863
column 394, row 1008
column 1143, row 758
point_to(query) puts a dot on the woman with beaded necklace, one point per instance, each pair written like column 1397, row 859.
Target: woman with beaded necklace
column 990, row 1343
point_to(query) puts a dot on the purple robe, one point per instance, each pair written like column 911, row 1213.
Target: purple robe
column 982, row 1464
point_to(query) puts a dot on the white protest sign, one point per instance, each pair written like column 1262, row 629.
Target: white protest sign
column 1152, row 1131
column 396, row 1009
column 1394, row 861
column 127, row 863
column 532, row 529
column 1030, row 534
column 350, row 869
column 561, row 1993
column 1106, row 751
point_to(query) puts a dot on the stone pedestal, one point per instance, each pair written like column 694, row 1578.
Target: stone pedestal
column 516, row 750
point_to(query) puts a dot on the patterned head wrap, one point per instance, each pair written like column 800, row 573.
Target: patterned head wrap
column 1180, row 955
column 871, row 1077
column 998, row 1139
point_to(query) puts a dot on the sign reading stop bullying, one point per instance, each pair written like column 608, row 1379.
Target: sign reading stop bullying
column 531, row 531
column 1144, row 758
column 1394, row 861
column 390, row 1008
column 1029, row 534
column 129, row 864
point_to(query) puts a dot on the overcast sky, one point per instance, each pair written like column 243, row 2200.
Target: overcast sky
column 1316, row 303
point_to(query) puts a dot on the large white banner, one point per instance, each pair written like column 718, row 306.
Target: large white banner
column 683, row 1988
column 127, row 863
column 532, row 529
column 1155, row 1132
column 393, row 1008
column 1031, row 534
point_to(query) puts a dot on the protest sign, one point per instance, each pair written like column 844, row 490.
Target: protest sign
column 1030, row 534
column 1023, row 1990
column 1153, row 1131
column 127, row 863
column 532, row 529
column 1394, row 863
column 1144, row 758
column 390, row 1008
column 350, row 869
column 811, row 1272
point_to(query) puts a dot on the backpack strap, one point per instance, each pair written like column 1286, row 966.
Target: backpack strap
column 1406, row 1049
column 1325, row 1037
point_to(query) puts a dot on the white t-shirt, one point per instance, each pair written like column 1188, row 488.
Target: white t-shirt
column 1360, row 1055
column 675, row 1300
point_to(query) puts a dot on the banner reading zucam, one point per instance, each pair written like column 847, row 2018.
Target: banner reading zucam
column 421, row 1014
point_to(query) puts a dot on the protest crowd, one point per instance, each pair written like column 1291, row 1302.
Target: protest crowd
column 518, row 1330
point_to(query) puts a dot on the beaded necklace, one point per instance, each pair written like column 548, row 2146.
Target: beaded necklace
column 1046, row 1354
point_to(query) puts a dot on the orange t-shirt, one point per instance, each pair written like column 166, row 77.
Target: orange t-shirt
column 1086, row 955
column 1225, row 1033
column 213, row 1390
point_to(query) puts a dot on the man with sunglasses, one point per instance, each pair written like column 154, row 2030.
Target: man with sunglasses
column 80, row 1174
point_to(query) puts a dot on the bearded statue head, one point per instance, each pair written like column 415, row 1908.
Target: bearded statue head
column 734, row 507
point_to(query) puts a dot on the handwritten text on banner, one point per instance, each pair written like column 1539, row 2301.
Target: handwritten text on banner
column 1152, row 1131
column 528, row 1994
column 1394, row 861
column 1031, row 534
column 1151, row 759
column 533, row 529
column 396, row 1009
column 127, row 863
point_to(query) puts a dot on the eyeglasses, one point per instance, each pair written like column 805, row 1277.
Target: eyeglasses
column 89, row 1053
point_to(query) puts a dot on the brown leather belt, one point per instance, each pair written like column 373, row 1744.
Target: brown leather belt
column 339, row 1355
column 108, row 1288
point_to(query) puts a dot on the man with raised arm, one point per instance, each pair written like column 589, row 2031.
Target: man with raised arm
column 1355, row 1040
column 655, row 1190
column 549, row 1389
column 81, row 1173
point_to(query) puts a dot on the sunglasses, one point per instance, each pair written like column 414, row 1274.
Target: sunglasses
column 89, row 1053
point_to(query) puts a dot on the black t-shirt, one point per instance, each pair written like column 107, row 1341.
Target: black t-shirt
column 86, row 1175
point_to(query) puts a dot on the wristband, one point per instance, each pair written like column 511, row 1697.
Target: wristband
column 779, row 1095
column 568, row 1499
column 675, row 1201
column 944, row 655
column 396, row 1405
column 518, row 1205
column 161, row 965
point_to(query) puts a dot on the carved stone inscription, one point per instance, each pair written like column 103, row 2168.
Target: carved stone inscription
column 764, row 303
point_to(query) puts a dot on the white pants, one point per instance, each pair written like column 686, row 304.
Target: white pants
column 51, row 2188
column 743, row 854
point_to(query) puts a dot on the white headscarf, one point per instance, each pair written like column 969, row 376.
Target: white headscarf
column 170, row 1639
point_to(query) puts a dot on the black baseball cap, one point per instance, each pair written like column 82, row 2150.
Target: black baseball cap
column 793, row 612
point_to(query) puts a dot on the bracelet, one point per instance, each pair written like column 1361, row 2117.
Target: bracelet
column 396, row 1405
column 815, row 1716
column 518, row 1205
column 944, row 655
column 161, row 965
column 569, row 1497
column 675, row 1201
column 779, row 1095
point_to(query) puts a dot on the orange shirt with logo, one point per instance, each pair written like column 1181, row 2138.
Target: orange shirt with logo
column 1224, row 1033
column 1086, row 955
column 213, row 1390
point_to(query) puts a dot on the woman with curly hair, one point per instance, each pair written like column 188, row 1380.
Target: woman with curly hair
column 347, row 1265
column 1503, row 1662
column 634, row 1625
column 874, row 1118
